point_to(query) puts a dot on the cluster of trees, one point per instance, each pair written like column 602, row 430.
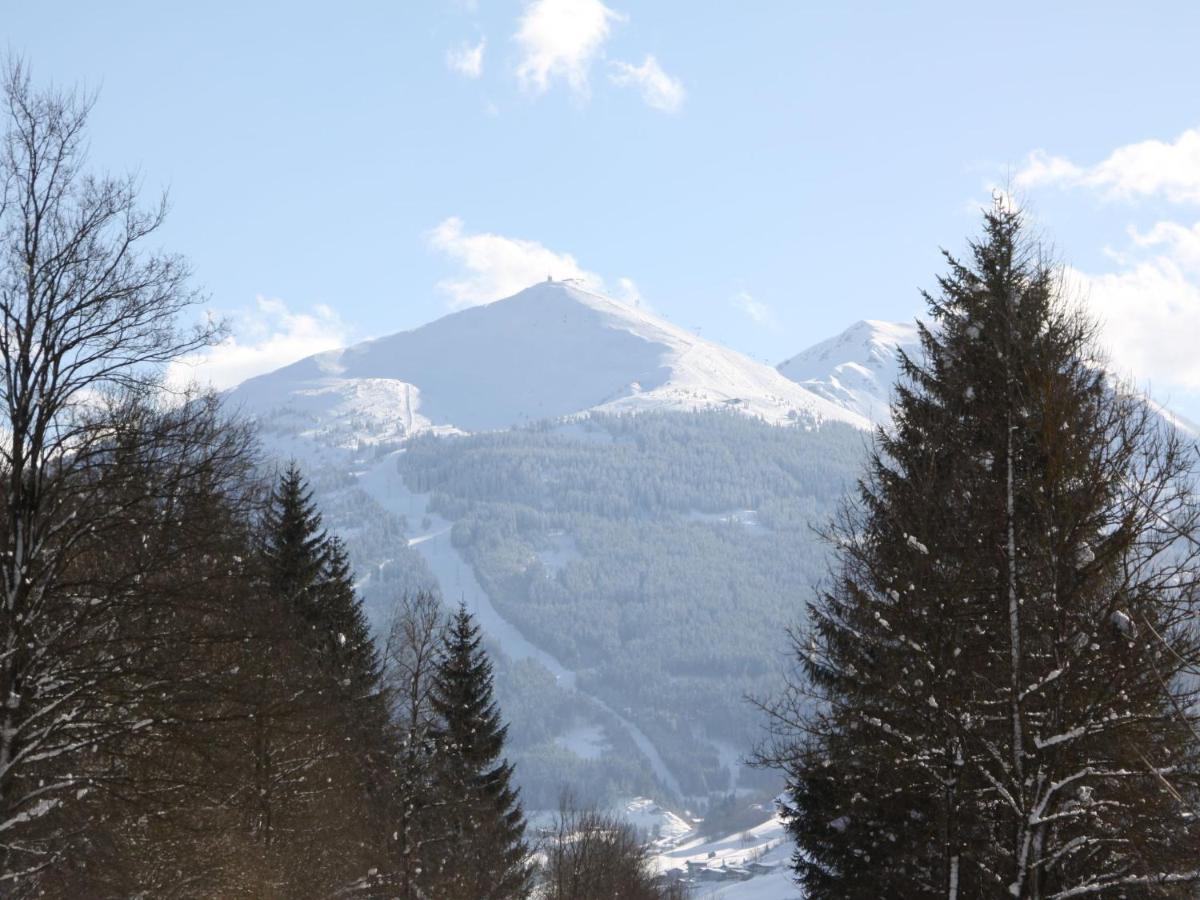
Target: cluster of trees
column 191, row 703
column 997, row 695
column 603, row 541
column 592, row 855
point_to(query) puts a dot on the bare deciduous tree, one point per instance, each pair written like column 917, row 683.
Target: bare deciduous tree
column 88, row 320
column 591, row 855
column 410, row 657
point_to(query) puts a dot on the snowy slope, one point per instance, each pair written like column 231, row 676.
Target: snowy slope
column 753, row 864
column 552, row 350
column 857, row 368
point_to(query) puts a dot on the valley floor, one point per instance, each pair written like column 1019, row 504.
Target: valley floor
column 751, row 864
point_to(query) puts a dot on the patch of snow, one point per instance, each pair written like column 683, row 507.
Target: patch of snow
column 753, row 864
column 917, row 545
column 746, row 518
column 585, row 741
column 561, row 551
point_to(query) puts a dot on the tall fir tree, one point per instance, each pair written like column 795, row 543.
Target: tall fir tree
column 295, row 547
column 487, row 857
column 994, row 699
column 310, row 569
column 322, row 742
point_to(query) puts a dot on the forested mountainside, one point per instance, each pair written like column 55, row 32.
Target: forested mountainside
column 639, row 571
column 657, row 556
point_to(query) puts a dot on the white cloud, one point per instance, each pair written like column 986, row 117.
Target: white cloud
column 497, row 266
column 1182, row 244
column 560, row 39
column 658, row 89
column 264, row 338
column 467, row 59
column 1149, row 309
column 1145, row 169
column 758, row 311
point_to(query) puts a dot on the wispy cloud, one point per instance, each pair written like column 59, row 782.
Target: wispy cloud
column 1148, row 303
column 265, row 337
column 561, row 39
column 658, row 89
column 628, row 292
column 494, row 266
column 757, row 311
column 1152, row 168
column 467, row 59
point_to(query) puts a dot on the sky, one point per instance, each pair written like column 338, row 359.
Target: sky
column 765, row 173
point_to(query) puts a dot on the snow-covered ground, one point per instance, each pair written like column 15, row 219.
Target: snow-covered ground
column 746, row 518
column 749, row 865
column 585, row 741
column 752, row 864
column 553, row 350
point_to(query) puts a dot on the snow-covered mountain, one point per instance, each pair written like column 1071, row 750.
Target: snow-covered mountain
column 857, row 368
column 552, row 350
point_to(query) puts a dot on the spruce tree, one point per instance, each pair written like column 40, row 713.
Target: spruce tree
column 295, row 547
column 486, row 855
column 323, row 741
column 310, row 569
column 993, row 699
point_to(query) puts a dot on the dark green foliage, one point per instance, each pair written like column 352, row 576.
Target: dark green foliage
column 993, row 697
column 489, row 855
column 310, row 570
column 294, row 552
column 609, row 542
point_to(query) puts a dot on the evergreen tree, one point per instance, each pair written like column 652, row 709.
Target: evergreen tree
column 992, row 699
column 310, row 569
column 487, row 855
column 321, row 741
column 295, row 550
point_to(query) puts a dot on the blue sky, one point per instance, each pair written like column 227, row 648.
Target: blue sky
column 765, row 172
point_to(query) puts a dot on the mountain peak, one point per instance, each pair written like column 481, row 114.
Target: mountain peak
column 857, row 368
column 554, row 349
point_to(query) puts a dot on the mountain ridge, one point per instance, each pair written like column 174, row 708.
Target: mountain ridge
column 551, row 351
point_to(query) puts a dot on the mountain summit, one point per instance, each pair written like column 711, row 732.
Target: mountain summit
column 552, row 350
column 856, row 369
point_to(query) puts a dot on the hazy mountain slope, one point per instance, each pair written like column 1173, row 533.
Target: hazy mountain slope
column 857, row 368
column 552, row 350
column 657, row 557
